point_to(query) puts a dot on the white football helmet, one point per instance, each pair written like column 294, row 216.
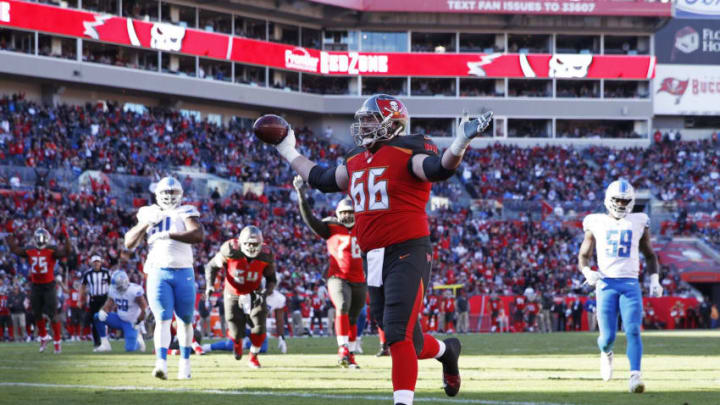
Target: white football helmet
column 168, row 193
column 120, row 281
column 619, row 198
column 251, row 240
column 345, row 212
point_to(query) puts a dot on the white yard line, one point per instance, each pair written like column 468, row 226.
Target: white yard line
column 272, row 394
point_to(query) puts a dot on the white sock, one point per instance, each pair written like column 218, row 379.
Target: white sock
column 255, row 349
column 442, row 349
column 635, row 372
column 162, row 335
column 184, row 333
column 207, row 348
column 403, row 397
column 352, row 346
column 342, row 340
column 104, row 341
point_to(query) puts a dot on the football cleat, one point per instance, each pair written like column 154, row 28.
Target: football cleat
column 184, row 369
column 58, row 347
column 104, row 347
column 351, row 361
column 383, row 351
column 140, row 343
column 451, row 373
column 606, row 365
column 637, row 386
column 199, row 350
column 343, row 356
column 254, row 363
column 43, row 344
column 160, row 370
column 238, row 350
column 282, row 345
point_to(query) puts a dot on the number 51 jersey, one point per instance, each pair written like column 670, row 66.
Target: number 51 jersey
column 617, row 243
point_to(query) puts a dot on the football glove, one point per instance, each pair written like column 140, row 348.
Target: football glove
column 158, row 236
column 102, row 315
column 286, row 148
column 656, row 290
column 469, row 129
column 298, row 182
column 259, row 298
column 150, row 215
column 591, row 277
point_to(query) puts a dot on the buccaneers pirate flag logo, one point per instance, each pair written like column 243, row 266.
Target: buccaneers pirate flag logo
column 675, row 87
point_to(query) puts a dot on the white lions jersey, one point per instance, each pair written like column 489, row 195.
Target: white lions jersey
column 169, row 253
column 127, row 308
column 617, row 243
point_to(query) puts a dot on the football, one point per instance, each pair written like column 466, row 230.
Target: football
column 271, row 128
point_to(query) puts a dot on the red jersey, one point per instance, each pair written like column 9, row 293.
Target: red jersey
column 73, row 298
column 345, row 260
column 520, row 302
column 4, row 309
column 317, row 303
column 389, row 200
column 533, row 308
column 449, row 304
column 42, row 265
column 243, row 275
column 495, row 304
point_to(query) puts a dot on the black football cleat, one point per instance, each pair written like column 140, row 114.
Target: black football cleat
column 238, row 350
column 383, row 351
column 451, row 373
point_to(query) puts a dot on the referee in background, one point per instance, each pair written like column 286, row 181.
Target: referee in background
column 96, row 283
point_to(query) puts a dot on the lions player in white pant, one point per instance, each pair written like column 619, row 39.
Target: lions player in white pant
column 618, row 237
column 129, row 300
column 171, row 231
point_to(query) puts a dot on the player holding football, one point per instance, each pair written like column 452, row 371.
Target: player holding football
column 43, row 294
column 244, row 296
column 171, row 230
column 388, row 176
column 618, row 236
column 128, row 298
column 345, row 275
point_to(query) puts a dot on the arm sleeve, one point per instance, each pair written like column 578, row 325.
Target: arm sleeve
column 434, row 170
column 323, row 179
column 319, row 227
column 432, row 165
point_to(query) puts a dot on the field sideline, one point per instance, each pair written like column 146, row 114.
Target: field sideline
column 523, row 369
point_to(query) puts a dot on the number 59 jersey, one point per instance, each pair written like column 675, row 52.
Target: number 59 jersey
column 169, row 253
column 127, row 308
column 617, row 243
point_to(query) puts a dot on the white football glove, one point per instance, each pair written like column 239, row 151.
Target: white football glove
column 656, row 290
column 102, row 315
column 591, row 277
column 286, row 148
column 298, row 182
column 150, row 215
column 158, row 236
column 469, row 129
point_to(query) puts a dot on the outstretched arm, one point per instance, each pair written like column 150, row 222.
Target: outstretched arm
column 326, row 180
column 435, row 168
column 14, row 247
column 211, row 269
column 319, row 227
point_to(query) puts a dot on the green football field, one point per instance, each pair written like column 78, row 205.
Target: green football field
column 679, row 368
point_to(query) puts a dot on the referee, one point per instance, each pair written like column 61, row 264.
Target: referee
column 96, row 283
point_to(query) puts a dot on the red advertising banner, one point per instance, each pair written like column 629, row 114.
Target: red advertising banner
column 556, row 7
column 173, row 38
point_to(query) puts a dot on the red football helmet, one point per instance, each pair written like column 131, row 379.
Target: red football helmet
column 381, row 117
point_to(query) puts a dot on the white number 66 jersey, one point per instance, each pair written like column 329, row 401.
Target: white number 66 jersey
column 617, row 243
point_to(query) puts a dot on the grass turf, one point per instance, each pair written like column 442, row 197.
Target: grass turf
column 678, row 368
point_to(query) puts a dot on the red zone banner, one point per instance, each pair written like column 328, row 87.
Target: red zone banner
column 172, row 38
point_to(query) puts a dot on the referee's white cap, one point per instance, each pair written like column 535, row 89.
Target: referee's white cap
column 95, row 258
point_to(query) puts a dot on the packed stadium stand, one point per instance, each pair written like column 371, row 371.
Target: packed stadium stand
column 96, row 109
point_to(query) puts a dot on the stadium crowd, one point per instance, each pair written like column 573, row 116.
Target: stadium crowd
column 487, row 254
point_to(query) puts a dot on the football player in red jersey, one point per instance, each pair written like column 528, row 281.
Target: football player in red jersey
column 43, row 294
column 246, row 264
column 345, row 275
column 388, row 176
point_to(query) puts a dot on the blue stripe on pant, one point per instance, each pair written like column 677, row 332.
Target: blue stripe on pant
column 623, row 295
column 113, row 320
column 172, row 290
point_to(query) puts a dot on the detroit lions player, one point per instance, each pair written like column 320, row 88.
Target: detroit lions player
column 618, row 236
column 171, row 229
column 130, row 302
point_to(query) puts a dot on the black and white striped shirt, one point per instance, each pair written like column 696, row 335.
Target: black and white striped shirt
column 97, row 283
